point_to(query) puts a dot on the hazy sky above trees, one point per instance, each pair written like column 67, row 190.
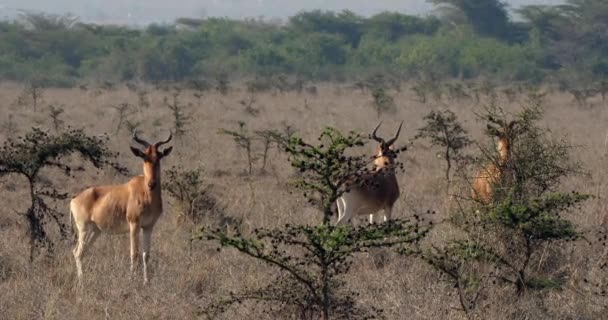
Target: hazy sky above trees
column 147, row 11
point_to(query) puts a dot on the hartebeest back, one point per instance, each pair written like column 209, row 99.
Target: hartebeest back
column 130, row 207
column 375, row 190
column 493, row 173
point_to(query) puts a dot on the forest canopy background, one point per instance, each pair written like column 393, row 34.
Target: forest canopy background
column 464, row 39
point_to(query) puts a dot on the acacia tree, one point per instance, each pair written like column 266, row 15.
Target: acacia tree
column 310, row 261
column 28, row 155
column 443, row 130
column 501, row 240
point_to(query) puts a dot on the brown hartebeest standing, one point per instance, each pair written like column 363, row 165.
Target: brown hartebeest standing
column 493, row 173
column 115, row 209
column 372, row 191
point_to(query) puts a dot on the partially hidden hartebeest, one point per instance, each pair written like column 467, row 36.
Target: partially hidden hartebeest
column 372, row 191
column 129, row 207
column 492, row 174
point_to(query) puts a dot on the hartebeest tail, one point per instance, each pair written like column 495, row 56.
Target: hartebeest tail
column 115, row 209
column 492, row 174
column 372, row 191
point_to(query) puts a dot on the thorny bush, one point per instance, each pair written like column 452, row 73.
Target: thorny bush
column 501, row 240
column 443, row 130
column 312, row 260
column 192, row 197
column 28, row 155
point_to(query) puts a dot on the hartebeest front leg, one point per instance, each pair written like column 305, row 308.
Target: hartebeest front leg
column 134, row 233
column 147, row 239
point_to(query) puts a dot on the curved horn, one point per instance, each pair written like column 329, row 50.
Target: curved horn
column 390, row 142
column 160, row 143
column 374, row 136
column 139, row 140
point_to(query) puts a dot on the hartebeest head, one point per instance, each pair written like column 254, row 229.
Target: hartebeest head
column 493, row 173
column 151, row 154
column 505, row 132
column 385, row 152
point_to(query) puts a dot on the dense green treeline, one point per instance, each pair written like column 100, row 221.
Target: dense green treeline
column 465, row 39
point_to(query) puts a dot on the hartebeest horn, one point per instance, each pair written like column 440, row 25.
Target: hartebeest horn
column 390, row 142
column 160, row 143
column 374, row 136
column 140, row 141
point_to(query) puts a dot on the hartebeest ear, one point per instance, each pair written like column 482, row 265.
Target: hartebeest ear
column 167, row 151
column 137, row 152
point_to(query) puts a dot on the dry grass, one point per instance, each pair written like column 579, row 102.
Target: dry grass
column 184, row 277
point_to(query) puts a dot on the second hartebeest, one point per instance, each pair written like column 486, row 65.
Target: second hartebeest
column 130, row 207
column 493, row 173
column 372, row 191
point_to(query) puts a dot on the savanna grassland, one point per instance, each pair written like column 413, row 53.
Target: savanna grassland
column 188, row 275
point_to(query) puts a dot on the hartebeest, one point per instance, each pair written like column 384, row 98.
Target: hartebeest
column 129, row 207
column 372, row 191
column 493, row 173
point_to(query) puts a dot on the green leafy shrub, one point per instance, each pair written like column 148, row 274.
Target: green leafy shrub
column 28, row 155
column 501, row 240
column 310, row 261
column 192, row 197
column 444, row 131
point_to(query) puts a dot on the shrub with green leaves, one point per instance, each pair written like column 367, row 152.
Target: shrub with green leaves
column 325, row 167
column 29, row 155
column 499, row 242
column 383, row 101
column 311, row 261
column 444, row 131
column 178, row 110
column 55, row 115
column 243, row 140
column 193, row 200
column 257, row 144
column 32, row 93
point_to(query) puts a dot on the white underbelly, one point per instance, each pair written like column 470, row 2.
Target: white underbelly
column 358, row 205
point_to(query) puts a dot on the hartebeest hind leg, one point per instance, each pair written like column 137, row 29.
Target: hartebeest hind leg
column 147, row 239
column 87, row 234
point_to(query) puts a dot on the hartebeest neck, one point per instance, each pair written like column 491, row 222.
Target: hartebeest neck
column 504, row 151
